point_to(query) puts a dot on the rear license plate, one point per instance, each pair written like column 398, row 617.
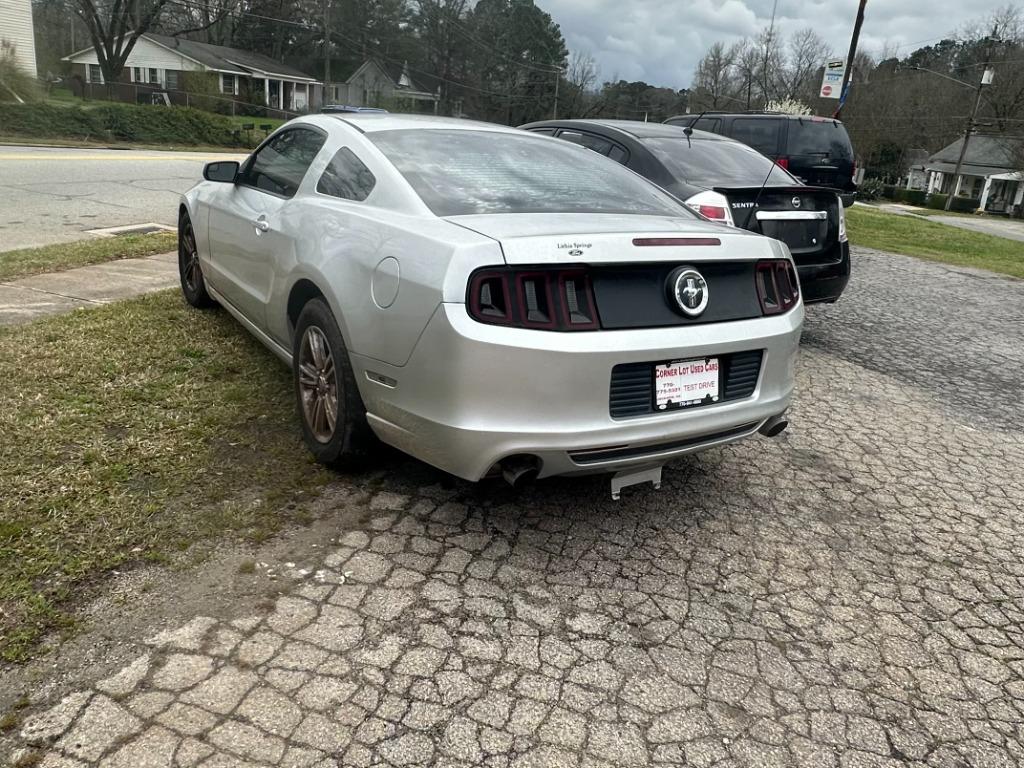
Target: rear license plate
column 682, row 383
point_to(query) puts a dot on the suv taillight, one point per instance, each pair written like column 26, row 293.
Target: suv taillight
column 783, row 162
column 532, row 297
column 777, row 286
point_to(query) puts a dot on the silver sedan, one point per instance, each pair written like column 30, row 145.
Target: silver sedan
column 492, row 301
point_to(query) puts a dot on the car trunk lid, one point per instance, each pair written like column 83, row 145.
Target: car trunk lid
column 540, row 238
column 805, row 218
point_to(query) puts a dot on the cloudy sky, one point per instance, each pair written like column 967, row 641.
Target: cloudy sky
column 660, row 41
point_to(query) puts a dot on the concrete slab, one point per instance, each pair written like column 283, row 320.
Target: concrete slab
column 30, row 298
column 22, row 305
column 1012, row 229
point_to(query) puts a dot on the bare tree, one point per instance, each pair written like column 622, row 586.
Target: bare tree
column 714, row 82
column 807, row 53
column 115, row 27
column 580, row 79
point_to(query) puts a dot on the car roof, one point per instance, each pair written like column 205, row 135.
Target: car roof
column 372, row 122
column 775, row 115
column 635, row 128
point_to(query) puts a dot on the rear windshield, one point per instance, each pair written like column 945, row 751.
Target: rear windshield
column 825, row 138
column 717, row 163
column 460, row 172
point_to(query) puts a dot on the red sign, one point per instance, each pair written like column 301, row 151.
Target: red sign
column 826, row 90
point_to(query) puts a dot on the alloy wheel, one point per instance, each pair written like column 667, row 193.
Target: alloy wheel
column 318, row 384
column 188, row 257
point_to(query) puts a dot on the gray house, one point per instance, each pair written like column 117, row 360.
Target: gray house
column 991, row 172
column 379, row 84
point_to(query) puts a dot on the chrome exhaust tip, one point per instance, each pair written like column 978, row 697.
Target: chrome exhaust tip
column 775, row 426
column 520, row 470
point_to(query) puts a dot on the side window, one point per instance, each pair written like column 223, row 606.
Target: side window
column 711, row 124
column 545, row 131
column 761, row 134
column 346, row 177
column 596, row 143
column 618, row 154
column 278, row 166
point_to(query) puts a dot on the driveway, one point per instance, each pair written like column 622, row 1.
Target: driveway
column 57, row 195
column 849, row 595
column 1012, row 229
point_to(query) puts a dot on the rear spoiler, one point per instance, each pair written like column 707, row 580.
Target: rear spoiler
column 791, row 190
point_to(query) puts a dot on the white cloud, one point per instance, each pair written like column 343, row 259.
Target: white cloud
column 660, row 41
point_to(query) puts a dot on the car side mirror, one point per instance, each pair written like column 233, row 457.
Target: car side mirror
column 225, row 171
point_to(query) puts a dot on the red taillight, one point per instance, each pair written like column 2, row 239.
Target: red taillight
column 783, row 162
column 544, row 299
column 715, row 212
column 777, row 286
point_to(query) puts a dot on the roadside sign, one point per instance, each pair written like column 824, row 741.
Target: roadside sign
column 832, row 79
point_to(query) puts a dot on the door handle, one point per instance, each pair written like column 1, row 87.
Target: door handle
column 261, row 224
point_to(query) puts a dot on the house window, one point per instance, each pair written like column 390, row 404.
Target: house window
column 171, row 77
column 138, row 74
column 227, row 84
column 95, row 74
column 154, row 75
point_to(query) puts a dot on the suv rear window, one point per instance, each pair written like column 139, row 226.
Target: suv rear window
column 710, row 163
column 461, row 172
column 819, row 137
column 757, row 132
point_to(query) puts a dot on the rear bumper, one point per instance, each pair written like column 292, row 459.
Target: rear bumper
column 826, row 281
column 472, row 394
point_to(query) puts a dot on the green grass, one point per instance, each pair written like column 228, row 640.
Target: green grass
column 129, row 432
column 914, row 236
column 55, row 258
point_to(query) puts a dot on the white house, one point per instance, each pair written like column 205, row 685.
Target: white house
column 16, row 29
column 990, row 172
column 158, row 64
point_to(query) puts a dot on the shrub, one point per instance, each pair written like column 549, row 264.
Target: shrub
column 888, row 191
column 870, row 189
column 965, row 204
column 898, row 194
column 15, row 83
column 125, row 122
column 937, row 201
column 204, row 91
column 915, row 197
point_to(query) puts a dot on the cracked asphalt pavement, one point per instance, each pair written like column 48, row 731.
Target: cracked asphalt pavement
column 849, row 595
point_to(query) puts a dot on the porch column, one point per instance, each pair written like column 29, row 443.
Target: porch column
column 266, row 91
column 984, row 192
column 1019, row 197
column 280, row 94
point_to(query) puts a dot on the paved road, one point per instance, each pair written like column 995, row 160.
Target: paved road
column 851, row 595
column 55, row 195
column 1012, row 229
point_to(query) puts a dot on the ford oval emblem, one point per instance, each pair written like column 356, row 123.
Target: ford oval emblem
column 575, row 252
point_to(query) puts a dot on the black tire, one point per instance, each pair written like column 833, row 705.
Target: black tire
column 343, row 444
column 193, row 286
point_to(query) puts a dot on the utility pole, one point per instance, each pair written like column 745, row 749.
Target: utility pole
column 327, row 53
column 986, row 78
column 851, row 54
column 554, row 109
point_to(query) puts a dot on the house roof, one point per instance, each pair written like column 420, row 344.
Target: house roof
column 417, row 81
column 229, row 59
column 986, row 156
column 220, row 58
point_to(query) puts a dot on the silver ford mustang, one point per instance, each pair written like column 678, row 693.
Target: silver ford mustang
column 489, row 300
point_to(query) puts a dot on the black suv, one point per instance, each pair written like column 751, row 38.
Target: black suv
column 731, row 183
column 817, row 150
